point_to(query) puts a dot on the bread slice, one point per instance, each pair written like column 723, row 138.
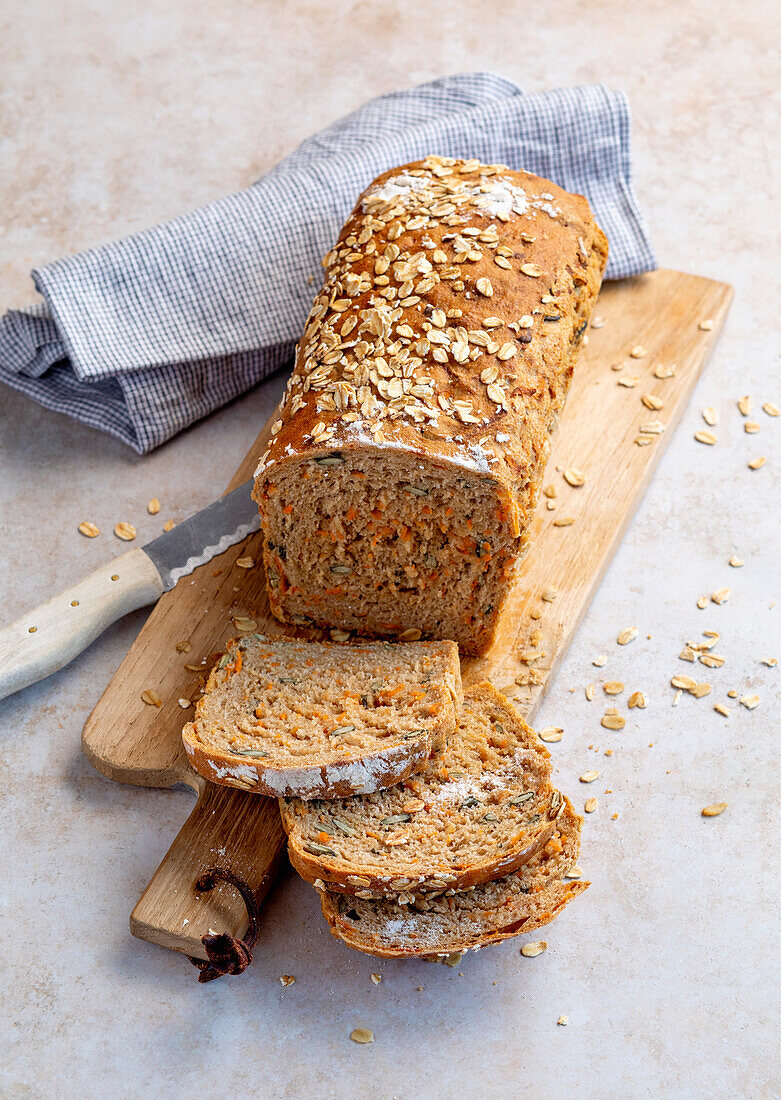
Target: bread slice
column 317, row 720
column 479, row 811
column 458, row 922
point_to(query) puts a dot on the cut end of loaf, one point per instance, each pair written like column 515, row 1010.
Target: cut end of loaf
column 370, row 540
column 317, row 720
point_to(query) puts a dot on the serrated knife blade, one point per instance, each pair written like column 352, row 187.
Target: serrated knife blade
column 210, row 532
column 49, row 637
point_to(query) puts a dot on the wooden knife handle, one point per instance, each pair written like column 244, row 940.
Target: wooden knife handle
column 48, row 638
column 229, row 828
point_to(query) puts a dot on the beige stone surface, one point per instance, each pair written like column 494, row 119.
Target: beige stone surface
column 115, row 116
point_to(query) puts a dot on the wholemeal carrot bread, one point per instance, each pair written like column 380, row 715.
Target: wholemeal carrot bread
column 481, row 809
column 312, row 719
column 457, row 922
column 398, row 488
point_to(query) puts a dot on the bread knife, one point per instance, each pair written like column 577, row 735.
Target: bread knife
column 48, row 638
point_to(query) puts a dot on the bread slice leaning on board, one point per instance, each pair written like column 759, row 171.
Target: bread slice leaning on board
column 481, row 809
column 397, row 492
column 313, row 719
column 456, row 922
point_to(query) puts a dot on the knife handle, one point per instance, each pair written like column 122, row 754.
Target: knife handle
column 48, row 638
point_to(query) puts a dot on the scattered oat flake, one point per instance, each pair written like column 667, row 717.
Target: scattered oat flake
column 705, row 326
column 286, row 979
column 745, row 405
column 678, row 695
column 613, row 721
column 732, row 694
column 245, row 625
column 574, row 872
column 125, row 531
column 376, row 978
column 600, row 661
column 550, row 594
column 702, row 602
column 751, row 427
column 612, row 687
column 687, row 654
column 151, row 698
column 628, row 382
column 706, row 437
column 651, row 401
column 89, row 530
column 685, row 683
column 589, row 777
column 574, row 477
column 531, row 950
column 563, row 1021
column 664, row 372
column 710, row 415
column 153, row 507
column 412, row 634
column 598, row 322
column 551, row 734
column 653, row 427
column 714, row 809
column 590, row 692
column 721, row 595
column 757, row 463
column 590, row 805
column 563, row 522
column 362, row 1035
column 628, row 635
column 638, row 351
column 184, row 703
column 245, row 563
column 770, row 408
column 771, row 662
column 699, row 691
column 721, row 709
column 637, row 699
column 338, row 635
column 711, row 660
column 169, row 525
column 749, row 701
column 183, row 646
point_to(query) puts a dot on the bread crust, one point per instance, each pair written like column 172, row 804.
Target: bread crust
column 490, row 415
column 553, row 899
column 333, row 778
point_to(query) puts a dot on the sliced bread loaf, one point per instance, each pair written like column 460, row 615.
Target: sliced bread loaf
column 481, row 809
column 313, row 719
column 457, row 922
column 399, row 486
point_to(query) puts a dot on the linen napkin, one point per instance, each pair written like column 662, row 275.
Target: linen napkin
column 143, row 336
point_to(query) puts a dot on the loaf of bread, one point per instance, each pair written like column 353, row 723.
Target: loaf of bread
column 481, row 809
column 456, row 922
column 312, row 719
column 397, row 491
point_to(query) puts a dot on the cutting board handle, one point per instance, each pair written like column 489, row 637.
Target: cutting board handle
column 232, row 829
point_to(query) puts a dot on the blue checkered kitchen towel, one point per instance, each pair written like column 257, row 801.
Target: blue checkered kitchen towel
column 146, row 335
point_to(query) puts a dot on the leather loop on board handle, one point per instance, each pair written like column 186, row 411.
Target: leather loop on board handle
column 239, row 831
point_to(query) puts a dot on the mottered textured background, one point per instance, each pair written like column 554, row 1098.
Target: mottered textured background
column 116, row 117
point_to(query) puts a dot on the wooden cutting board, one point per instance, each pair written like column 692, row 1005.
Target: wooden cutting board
column 607, row 432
